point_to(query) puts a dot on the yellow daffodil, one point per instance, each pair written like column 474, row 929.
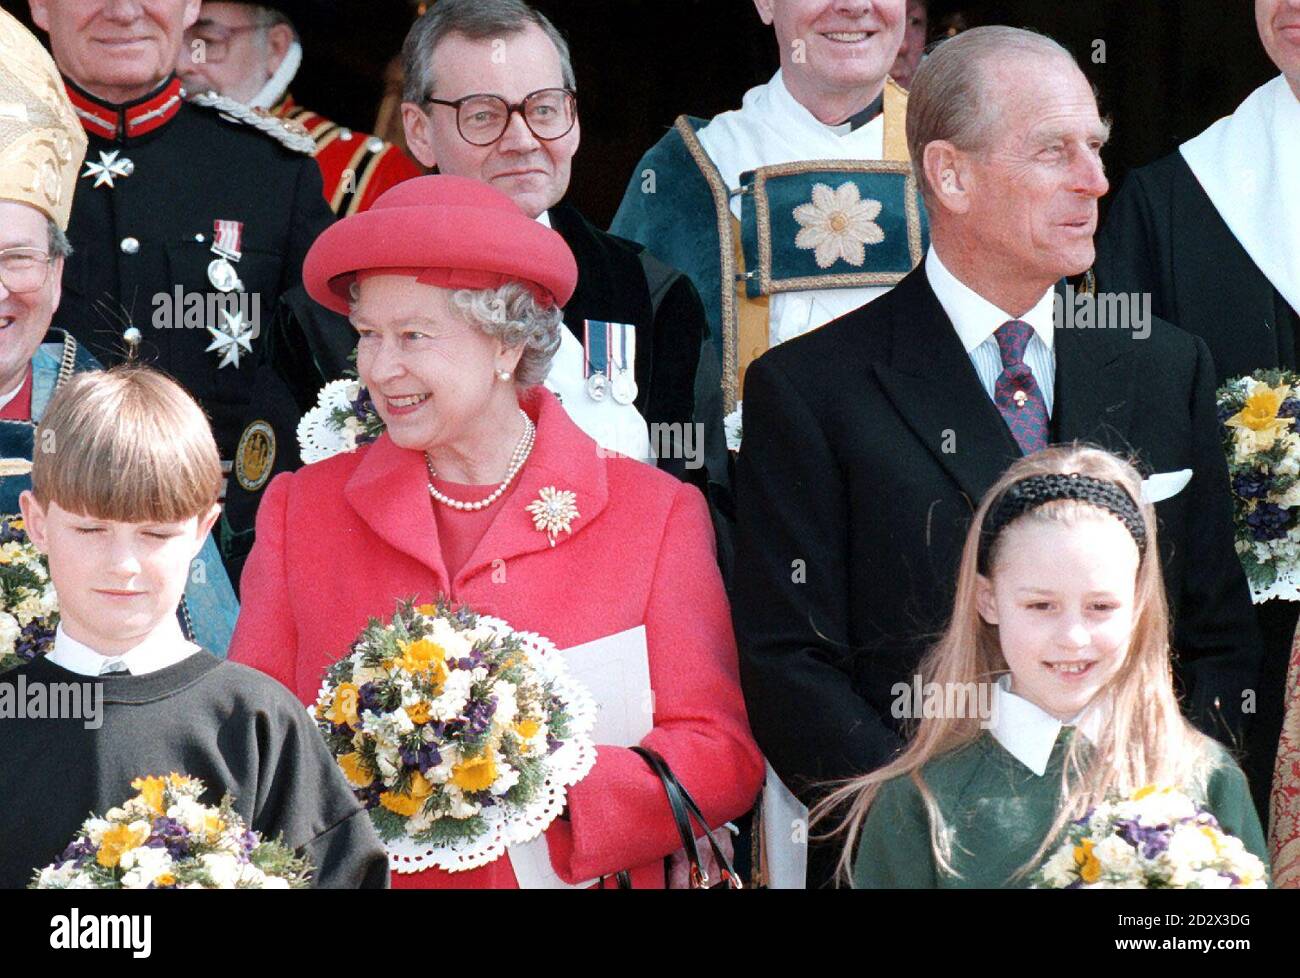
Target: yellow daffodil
column 476, row 774
column 213, row 826
column 164, row 879
column 426, row 657
column 355, row 769
column 151, row 790
column 1089, row 866
column 428, row 610
column 418, row 712
column 527, row 729
column 117, row 840
column 344, row 707
column 1259, row 416
column 409, row 803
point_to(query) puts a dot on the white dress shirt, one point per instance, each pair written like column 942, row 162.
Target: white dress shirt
column 976, row 319
column 770, row 127
column 1029, row 732
column 156, row 652
column 613, row 426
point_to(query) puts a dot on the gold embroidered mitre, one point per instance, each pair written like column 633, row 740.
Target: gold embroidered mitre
column 42, row 143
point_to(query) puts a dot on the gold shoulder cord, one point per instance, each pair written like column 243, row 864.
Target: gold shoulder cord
column 67, row 362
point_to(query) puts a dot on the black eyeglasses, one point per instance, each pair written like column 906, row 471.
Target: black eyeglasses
column 481, row 120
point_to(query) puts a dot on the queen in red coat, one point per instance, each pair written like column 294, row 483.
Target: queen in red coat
column 455, row 297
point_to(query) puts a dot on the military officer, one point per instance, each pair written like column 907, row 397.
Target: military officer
column 39, row 166
column 250, row 52
column 192, row 215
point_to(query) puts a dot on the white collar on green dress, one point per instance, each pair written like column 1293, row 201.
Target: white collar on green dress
column 1029, row 732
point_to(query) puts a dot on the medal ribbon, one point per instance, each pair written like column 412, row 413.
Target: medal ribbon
column 227, row 238
column 596, row 344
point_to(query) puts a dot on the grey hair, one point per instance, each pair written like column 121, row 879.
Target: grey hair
column 511, row 314
column 948, row 99
column 59, row 247
column 478, row 20
column 264, row 18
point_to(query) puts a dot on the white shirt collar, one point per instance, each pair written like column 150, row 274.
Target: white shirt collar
column 6, row 398
column 789, row 106
column 1028, row 732
column 156, row 652
column 544, row 218
column 973, row 316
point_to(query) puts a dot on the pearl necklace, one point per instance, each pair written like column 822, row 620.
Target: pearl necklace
column 517, row 460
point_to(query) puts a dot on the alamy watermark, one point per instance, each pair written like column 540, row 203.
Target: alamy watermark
column 920, row 700
column 23, row 700
column 1103, row 310
column 178, row 309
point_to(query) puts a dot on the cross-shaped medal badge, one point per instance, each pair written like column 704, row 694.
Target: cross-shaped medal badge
column 230, row 338
column 108, row 167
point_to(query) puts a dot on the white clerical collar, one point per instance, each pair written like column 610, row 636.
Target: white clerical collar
column 544, row 219
column 1248, row 164
column 156, row 652
column 973, row 316
column 786, row 104
column 6, row 398
column 1029, row 732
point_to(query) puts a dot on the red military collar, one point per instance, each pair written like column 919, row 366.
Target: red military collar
column 108, row 120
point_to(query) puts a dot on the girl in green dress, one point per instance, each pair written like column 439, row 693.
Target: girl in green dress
column 1050, row 690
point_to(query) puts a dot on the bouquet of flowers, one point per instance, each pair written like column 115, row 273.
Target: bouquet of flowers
column 1257, row 415
column 29, row 608
column 343, row 419
column 458, row 734
column 164, row 839
column 1157, row 839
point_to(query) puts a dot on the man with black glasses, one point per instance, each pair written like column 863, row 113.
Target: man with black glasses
column 490, row 94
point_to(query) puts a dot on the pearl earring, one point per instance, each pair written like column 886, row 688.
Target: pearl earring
column 504, row 375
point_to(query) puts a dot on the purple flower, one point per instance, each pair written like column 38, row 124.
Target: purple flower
column 425, row 757
column 369, row 795
column 1151, row 841
column 478, row 717
column 1290, row 408
column 170, row 834
column 34, row 641
column 78, row 851
column 1251, row 485
column 368, row 698
column 1267, row 521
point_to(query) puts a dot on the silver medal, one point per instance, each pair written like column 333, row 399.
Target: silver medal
column 223, row 276
column 624, row 387
column 597, row 385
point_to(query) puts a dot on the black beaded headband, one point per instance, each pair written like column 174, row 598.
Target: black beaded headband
column 1038, row 490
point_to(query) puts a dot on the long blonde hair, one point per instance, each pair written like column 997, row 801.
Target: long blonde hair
column 1146, row 741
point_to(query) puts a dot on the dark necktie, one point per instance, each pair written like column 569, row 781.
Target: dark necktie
column 1016, row 392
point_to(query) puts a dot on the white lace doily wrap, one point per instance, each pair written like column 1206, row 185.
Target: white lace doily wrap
column 567, row 766
column 318, row 439
column 1285, row 588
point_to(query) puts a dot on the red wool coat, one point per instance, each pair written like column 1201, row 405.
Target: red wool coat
column 342, row 540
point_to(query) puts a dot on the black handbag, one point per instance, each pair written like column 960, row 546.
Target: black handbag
column 683, row 808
